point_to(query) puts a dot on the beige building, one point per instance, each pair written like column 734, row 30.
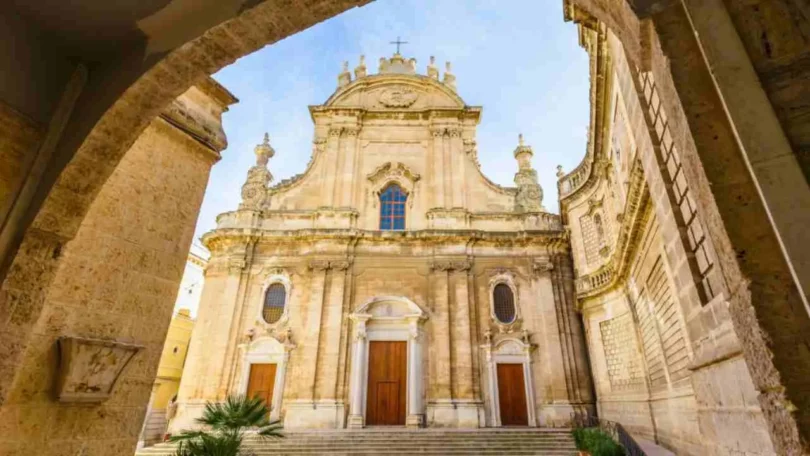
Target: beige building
column 391, row 283
column 665, row 359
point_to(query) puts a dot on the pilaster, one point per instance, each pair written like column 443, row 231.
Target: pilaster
column 439, row 174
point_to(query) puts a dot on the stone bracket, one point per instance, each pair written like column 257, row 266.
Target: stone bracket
column 89, row 368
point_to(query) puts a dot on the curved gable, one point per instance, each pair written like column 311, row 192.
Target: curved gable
column 395, row 92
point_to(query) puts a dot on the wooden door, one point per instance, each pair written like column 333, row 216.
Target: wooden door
column 261, row 382
column 387, row 382
column 512, row 395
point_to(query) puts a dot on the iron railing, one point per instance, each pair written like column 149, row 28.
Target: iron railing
column 612, row 428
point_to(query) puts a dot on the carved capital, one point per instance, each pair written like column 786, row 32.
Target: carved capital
column 437, row 132
column 236, row 265
column 318, row 265
column 351, row 131
column 542, row 267
column 451, row 265
column 454, row 132
column 339, row 265
column 335, row 131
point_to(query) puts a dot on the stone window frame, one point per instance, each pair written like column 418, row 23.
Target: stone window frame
column 275, row 277
column 506, row 278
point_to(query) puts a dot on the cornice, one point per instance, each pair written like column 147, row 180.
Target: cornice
column 637, row 213
column 583, row 176
column 220, row 239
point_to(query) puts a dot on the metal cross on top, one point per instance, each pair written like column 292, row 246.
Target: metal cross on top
column 398, row 43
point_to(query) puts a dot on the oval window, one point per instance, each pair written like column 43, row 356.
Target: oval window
column 274, row 300
column 504, row 303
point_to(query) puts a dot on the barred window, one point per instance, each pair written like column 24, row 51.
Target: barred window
column 392, row 208
column 274, row 300
column 504, row 303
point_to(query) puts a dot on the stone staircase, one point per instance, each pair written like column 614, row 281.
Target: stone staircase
column 503, row 441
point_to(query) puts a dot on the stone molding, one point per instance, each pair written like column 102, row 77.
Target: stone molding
column 395, row 172
column 505, row 277
column 324, row 265
column 583, row 177
column 220, row 239
column 615, row 270
column 450, row 265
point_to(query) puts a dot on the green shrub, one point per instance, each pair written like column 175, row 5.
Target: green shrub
column 597, row 442
column 225, row 424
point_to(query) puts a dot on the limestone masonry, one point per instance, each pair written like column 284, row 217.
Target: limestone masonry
column 392, row 239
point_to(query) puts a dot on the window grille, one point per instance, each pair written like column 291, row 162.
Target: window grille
column 392, row 208
column 274, row 300
column 504, row 303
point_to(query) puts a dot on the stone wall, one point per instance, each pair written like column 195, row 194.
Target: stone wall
column 657, row 269
column 326, row 288
column 116, row 280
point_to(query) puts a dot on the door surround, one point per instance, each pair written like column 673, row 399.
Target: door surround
column 509, row 351
column 388, row 318
column 265, row 350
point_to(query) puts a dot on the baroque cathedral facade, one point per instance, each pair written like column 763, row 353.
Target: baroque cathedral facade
column 391, row 283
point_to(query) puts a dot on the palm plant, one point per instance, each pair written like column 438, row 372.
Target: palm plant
column 226, row 424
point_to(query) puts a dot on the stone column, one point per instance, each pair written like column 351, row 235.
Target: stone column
column 457, row 157
column 281, row 378
column 358, row 380
column 326, row 372
column 347, row 175
column 440, row 410
column 216, row 345
column 468, row 407
column 329, row 176
column 416, row 416
column 301, row 406
column 438, row 175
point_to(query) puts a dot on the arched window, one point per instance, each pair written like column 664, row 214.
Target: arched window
column 392, row 208
column 504, row 303
column 275, row 298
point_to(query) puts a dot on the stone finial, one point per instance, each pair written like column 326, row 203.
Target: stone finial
column 412, row 64
column 432, row 71
column 383, row 65
column 449, row 77
column 523, row 153
column 254, row 190
column 560, row 172
column 264, row 152
column 344, row 78
column 530, row 195
column 360, row 69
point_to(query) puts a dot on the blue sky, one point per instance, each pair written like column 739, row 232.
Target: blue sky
column 516, row 58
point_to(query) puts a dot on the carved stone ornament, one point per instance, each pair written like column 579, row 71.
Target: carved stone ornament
column 398, row 97
column 89, row 368
column 390, row 172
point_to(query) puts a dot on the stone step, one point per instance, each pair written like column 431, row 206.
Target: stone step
column 424, row 442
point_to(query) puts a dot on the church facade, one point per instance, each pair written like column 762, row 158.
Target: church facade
column 391, row 283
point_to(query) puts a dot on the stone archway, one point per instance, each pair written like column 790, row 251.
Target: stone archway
column 753, row 227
